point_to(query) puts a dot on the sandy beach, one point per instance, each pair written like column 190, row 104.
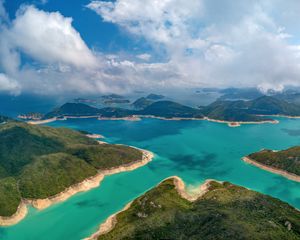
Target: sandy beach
column 42, row 121
column 237, row 124
column 111, row 221
column 139, row 117
column 86, row 185
column 94, row 136
column 131, row 118
column 283, row 173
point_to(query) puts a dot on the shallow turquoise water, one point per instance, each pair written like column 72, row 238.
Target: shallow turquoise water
column 193, row 150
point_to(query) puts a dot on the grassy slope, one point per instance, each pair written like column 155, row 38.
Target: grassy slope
column 288, row 160
column 225, row 212
column 40, row 161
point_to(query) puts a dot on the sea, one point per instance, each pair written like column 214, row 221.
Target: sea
column 192, row 150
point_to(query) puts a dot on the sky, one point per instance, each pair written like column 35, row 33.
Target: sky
column 73, row 47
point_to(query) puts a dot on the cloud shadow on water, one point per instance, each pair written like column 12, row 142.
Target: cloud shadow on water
column 291, row 132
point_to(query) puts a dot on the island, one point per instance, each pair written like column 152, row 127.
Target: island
column 255, row 110
column 41, row 165
column 160, row 109
column 285, row 162
column 219, row 210
column 233, row 113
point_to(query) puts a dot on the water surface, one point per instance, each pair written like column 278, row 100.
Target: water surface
column 193, row 150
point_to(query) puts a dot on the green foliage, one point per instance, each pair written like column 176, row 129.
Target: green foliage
column 42, row 161
column 248, row 110
column 73, row 109
column 288, row 160
column 171, row 109
column 225, row 212
column 53, row 173
column 9, row 196
column 107, row 156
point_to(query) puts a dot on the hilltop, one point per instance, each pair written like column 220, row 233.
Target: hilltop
column 221, row 211
column 285, row 162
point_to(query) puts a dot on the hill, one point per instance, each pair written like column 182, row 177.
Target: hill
column 169, row 109
column 166, row 109
column 73, row 109
column 266, row 105
column 250, row 110
column 39, row 162
column 225, row 211
column 287, row 160
column 235, row 111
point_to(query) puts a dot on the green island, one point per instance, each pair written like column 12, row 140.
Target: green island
column 284, row 162
column 223, row 211
column 237, row 111
column 38, row 162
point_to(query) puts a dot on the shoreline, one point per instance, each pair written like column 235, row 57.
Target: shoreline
column 180, row 187
column 239, row 123
column 85, row 185
column 288, row 175
column 139, row 117
column 280, row 116
column 19, row 215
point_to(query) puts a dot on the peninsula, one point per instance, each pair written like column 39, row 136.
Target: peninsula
column 285, row 162
column 220, row 210
column 233, row 113
column 41, row 165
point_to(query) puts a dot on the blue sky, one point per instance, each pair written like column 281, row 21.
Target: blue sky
column 88, row 47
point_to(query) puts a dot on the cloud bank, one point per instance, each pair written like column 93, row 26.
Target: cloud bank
column 193, row 43
column 217, row 43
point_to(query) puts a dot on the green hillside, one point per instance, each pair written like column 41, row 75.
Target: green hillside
column 249, row 110
column 73, row 109
column 39, row 161
column 171, row 109
column 226, row 211
column 287, row 160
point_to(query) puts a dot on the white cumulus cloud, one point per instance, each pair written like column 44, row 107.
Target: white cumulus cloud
column 49, row 37
column 9, row 85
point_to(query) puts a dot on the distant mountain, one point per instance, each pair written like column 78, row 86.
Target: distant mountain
column 160, row 109
column 112, row 96
column 111, row 112
column 116, row 101
column 240, row 94
column 141, row 103
column 240, row 111
column 289, row 97
column 249, row 110
column 170, row 109
column 267, row 105
column 235, row 111
column 155, row 97
column 73, row 109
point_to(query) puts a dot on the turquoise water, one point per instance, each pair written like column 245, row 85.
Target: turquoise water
column 193, row 150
